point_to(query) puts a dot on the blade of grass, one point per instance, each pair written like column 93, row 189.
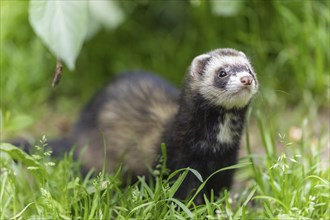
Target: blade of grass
column 208, row 205
column 266, row 139
column 3, row 184
column 10, row 198
column 21, row 212
column 268, row 211
column 272, row 199
column 177, row 183
column 140, row 206
column 146, row 187
column 236, row 166
column 257, row 176
column 182, row 206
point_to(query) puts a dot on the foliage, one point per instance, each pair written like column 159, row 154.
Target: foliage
column 292, row 63
column 64, row 26
column 283, row 185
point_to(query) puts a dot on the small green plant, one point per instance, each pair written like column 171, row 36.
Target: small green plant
column 42, row 154
column 291, row 185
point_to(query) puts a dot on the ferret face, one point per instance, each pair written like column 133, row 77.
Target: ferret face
column 225, row 77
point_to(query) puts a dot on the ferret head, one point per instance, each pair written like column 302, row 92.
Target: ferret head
column 224, row 77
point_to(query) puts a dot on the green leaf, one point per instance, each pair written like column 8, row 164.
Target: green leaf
column 197, row 174
column 146, row 187
column 226, row 7
column 13, row 123
column 177, row 183
column 107, row 13
column 21, row 212
column 20, row 155
column 182, row 206
column 272, row 199
column 62, row 25
column 141, row 206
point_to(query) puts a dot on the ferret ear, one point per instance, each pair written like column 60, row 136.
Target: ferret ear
column 243, row 54
column 198, row 65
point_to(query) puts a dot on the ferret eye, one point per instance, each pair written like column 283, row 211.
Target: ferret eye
column 222, row 73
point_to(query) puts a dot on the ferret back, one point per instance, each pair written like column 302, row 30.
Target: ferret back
column 126, row 120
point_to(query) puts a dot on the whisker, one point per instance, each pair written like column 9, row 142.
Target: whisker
column 281, row 91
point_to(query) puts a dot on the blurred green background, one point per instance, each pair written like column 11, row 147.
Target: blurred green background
column 287, row 42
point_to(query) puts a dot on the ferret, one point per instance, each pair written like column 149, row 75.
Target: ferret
column 126, row 122
column 205, row 132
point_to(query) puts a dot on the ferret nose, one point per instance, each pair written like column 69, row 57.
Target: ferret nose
column 246, row 80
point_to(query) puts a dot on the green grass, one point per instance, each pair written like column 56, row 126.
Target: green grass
column 279, row 184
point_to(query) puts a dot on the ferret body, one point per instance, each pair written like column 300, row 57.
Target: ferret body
column 201, row 127
column 126, row 121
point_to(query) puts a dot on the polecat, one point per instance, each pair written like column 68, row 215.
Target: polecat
column 205, row 133
column 130, row 118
